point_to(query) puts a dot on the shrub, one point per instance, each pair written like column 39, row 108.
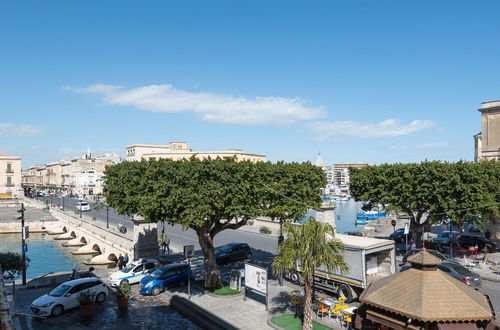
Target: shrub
column 265, row 230
column 86, row 297
column 124, row 290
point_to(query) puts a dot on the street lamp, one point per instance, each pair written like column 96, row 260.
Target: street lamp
column 107, row 216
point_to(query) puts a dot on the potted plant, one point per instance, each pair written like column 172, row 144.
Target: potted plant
column 123, row 293
column 86, row 299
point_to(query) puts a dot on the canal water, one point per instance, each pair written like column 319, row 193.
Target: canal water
column 45, row 254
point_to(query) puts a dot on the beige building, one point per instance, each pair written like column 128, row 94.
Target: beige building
column 79, row 176
column 180, row 150
column 10, row 176
column 341, row 172
column 487, row 142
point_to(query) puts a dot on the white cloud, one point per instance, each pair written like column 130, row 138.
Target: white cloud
column 422, row 147
column 386, row 128
column 218, row 108
column 8, row 129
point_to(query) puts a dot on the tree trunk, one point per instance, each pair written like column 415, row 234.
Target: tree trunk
column 212, row 273
column 416, row 232
column 307, row 322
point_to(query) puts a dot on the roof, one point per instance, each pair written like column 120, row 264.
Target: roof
column 424, row 258
column 428, row 295
column 363, row 242
column 10, row 156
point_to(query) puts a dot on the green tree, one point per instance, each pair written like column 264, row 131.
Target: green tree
column 428, row 192
column 208, row 196
column 310, row 245
column 11, row 263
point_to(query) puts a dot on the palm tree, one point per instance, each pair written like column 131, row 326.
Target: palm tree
column 310, row 245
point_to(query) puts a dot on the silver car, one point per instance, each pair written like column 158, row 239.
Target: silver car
column 457, row 271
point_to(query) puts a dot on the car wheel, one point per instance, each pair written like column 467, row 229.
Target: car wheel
column 124, row 282
column 295, row 278
column 155, row 291
column 57, row 310
column 100, row 297
column 345, row 292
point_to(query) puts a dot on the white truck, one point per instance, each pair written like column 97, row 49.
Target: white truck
column 369, row 259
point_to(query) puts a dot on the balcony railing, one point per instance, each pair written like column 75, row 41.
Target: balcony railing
column 9, row 185
column 9, row 171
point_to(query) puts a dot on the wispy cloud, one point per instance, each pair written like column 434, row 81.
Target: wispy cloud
column 8, row 129
column 386, row 128
column 211, row 107
column 421, row 147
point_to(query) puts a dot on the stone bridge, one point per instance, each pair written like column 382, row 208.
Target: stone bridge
column 101, row 244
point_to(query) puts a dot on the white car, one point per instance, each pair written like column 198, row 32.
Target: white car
column 82, row 206
column 65, row 296
column 134, row 272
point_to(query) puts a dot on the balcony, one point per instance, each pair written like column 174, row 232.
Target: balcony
column 9, row 171
column 9, row 185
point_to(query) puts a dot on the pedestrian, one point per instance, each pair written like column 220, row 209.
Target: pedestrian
column 166, row 241
column 120, row 262
column 125, row 260
column 413, row 245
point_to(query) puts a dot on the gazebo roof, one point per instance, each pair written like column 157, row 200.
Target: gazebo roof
column 428, row 294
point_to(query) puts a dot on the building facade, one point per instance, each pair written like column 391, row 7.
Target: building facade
column 78, row 176
column 341, row 172
column 10, row 176
column 487, row 142
column 327, row 169
column 180, row 150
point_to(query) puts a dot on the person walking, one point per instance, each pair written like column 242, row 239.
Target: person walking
column 125, row 260
column 166, row 244
column 120, row 262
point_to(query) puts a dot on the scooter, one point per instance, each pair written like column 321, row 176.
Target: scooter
column 76, row 274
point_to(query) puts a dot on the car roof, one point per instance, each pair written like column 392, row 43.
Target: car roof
column 144, row 260
column 233, row 244
column 81, row 280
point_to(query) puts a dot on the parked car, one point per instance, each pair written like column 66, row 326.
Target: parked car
column 82, row 206
column 433, row 252
column 399, row 236
column 445, row 237
column 232, row 252
column 457, row 271
column 65, row 296
column 467, row 241
column 134, row 272
column 166, row 277
column 354, row 233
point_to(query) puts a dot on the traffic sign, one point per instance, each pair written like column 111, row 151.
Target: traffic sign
column 407, row 229
column 26, row 232
column 393, row 223
column 188, row 251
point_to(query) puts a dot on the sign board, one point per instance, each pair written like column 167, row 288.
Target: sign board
column 188, row 251
column 25, row 248
column 256, row 278
column 393, row 223
column 26, row 232
column 407, row 229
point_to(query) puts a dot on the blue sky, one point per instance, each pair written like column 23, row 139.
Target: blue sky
column 374, row 81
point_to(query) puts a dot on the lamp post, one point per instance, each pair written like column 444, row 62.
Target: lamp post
column 23, row 239
column 107, row 216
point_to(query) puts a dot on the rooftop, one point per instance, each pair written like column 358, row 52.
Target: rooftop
column 363, row 242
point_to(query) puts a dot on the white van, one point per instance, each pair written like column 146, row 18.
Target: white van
column 82, row 206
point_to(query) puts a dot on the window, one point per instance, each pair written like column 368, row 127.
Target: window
column 138, row 269
column 9, row 167
column 9, row 181
column 77, row 288
column 150, row 265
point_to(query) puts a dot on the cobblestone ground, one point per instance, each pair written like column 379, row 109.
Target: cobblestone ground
column 143, row 313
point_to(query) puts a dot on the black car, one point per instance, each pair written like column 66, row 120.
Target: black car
column 232, row 252
column 399, row 236
column 467, row 241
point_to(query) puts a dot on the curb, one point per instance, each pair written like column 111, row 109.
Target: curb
column 490, row 279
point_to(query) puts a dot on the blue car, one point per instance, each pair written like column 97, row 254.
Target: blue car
column 166, row 277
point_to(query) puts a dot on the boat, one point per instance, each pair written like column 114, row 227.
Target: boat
column 360, row 222
column 370, row 215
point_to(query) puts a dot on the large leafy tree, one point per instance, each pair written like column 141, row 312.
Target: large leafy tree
column 310, row 245
column 428, row 192
column 208, row 196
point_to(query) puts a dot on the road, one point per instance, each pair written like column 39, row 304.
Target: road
column 178, row 237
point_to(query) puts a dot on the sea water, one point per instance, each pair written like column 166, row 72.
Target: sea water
column 45, row 254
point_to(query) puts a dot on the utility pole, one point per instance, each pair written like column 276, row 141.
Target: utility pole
column 63, row 203
column 23, row 236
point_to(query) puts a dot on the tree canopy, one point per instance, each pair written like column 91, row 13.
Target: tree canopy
column 11, row 263
column 210, row 196
column 440, row 190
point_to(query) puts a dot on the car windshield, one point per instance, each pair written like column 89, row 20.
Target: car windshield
column 224, row 249
column 445, row 235
column 60, row 290
column 128, row 268
column 158, row 273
